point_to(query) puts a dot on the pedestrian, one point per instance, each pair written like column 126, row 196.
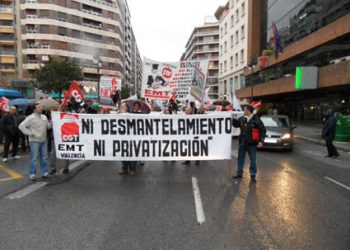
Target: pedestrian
column 35, row 127
column 193, row 108
column 251, row 137
column 10, row 127
column 129, row 167
column 328, row 134
column 189, row 111
column 53, row 158
column 172, row 106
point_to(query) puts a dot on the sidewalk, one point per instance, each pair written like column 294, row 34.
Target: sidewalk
column 311, row 131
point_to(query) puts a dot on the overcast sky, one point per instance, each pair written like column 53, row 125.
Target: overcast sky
column 162, row 27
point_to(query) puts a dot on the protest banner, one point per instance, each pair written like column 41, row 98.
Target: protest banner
column 160, row 79
column 108, row 86
column 135, row 137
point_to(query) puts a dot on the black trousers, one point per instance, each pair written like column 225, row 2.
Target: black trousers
column 332, row 151
column 8, row 140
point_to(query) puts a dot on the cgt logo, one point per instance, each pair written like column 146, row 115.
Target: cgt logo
column 70, row 130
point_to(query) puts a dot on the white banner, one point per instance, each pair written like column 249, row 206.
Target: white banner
column 106, row 86
column 161, row 79
column 135, row 137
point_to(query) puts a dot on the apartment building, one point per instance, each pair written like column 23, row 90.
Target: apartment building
column 203, row 44
column 233, row 45
column 7, row 43
column 312, row 33
column 87, row 32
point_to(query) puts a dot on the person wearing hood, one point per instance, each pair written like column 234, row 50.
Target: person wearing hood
column 328, row 134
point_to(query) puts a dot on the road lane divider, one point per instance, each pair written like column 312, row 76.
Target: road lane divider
column 13, row 175
column 26, row 191
column 198, row 201
column 337, row 182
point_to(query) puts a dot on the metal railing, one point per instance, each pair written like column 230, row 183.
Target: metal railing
column 91, row 12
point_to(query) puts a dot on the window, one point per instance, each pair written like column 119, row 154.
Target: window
column 44, row 29
column 62, row 31
column 225, row 28
column 61, row 16
column 221, row 32
column 221, row 51
column 237, row 15
column 225, row 46
column 236, row 58
column 62, row 45
column 76, row 19
column 231, row 62
column 242, row 55
column 232, row 20
column 231, row 41
column 242, row 32
column 225, row 65
column 76, row 33
column 236, row 36
column 243, row 9
column 241, row 80
column 221, row 68
column 231, row 86
column 236, row 82
column 44, row 14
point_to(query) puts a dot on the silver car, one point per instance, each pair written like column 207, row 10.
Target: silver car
column 279, row 132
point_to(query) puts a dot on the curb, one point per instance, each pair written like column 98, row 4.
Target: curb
column 321, row 142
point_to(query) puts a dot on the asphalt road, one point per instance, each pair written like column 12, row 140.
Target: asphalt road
column 300, row 201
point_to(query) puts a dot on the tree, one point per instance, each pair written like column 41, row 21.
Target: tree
column 125, row 92
column 57, row 76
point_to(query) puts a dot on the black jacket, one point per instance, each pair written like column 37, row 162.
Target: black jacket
column 329, row 128
column 245, row 137
column 9, row 126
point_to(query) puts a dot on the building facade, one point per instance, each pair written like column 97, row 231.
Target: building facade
column 233, row 46
column 203, row 44
column 312, row 33
column 8, row 67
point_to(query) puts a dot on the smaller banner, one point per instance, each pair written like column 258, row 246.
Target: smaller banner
column 109, row 85
column 5, row 105
column 135, row 137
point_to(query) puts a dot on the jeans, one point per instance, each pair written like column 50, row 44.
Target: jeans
column 332, row 151
column 38, row 149
column 129, row 165
column 8, row 140
column 53, row 158
column 242, row 151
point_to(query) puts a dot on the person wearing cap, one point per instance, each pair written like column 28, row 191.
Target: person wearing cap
column 251, row 137
column 328, row 133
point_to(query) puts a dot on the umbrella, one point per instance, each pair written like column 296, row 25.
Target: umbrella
column 10, row 93
column 47, row 104
column 222, row 103
column 21, row 102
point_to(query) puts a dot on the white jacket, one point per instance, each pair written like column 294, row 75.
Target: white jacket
column 35, row 126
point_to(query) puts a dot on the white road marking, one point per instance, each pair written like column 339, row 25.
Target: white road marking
column 76, row 164
column 27, row 190
column 338, row 183
column 198, row 201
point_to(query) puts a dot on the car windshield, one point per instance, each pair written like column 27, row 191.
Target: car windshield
column 275, row 122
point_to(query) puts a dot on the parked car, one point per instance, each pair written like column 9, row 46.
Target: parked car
column 279, row 132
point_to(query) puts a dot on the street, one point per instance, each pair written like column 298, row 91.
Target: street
column 301, row 201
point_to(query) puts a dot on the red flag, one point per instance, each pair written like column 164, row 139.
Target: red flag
column 5, row 104
column 74, row 95
column 115, row 87
column 256, row 104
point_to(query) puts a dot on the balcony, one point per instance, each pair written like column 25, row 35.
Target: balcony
column 7, row 52
column 32, row 61
column 32, row 46
column 6, row 8
column 90, row 25
column 31, row 1
column 90, row 12
column 31, row 16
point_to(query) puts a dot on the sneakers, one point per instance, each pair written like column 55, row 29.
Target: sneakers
column 237, row 177
column 253, row 179
column 124, row 172
column 32, row 177
column 16, row 157
column 65, row 171
column 132, row 173
column 4, row 160
column 46, row 175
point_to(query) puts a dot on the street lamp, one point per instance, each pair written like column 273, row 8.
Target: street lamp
column 97, row 61
column 251, row 65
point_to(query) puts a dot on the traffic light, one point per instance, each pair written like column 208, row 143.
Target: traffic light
column 306, row 78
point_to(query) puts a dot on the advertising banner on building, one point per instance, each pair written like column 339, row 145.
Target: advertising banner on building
column 161, row 79
column 135, row 137
column 108, row 86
